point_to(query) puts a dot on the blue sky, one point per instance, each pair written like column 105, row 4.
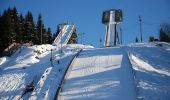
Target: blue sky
column 87, row 15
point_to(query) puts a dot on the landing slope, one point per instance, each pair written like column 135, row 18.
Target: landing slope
column 100, row 74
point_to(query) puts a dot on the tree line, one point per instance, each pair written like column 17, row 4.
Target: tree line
column 164, row 33
column 15, row 27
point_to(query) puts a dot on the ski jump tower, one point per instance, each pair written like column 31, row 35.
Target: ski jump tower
column 111, row 18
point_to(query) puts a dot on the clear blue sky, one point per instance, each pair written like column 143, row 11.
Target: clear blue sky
column 87, row 15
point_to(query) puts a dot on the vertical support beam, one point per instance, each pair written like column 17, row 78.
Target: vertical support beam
column 121, row 35
column 115, row 34
column 106, row 36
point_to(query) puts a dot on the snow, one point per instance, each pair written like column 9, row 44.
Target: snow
column 2, row 60
column 100, row 74
column 136, row 71
column 19, row 70
column 28, row 64
column 50, row 80
column 151, row 70
column 144, row 66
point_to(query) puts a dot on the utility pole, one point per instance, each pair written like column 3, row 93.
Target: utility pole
column 121, row 35
column 51, row 59
column 62, row 25
column 140, row 20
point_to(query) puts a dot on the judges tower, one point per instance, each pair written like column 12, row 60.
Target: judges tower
column 111, row 18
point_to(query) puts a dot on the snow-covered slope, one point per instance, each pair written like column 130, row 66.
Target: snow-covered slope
column 139, row 71
column 100, row 74
column 151, row 64
column 28, row 64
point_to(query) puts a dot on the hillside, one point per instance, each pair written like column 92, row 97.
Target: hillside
column 139, row 71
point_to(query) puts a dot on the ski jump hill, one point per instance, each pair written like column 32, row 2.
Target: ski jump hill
column 137, row 71
column 99, row 74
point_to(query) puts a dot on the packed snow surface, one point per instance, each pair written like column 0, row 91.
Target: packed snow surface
column 100, row 74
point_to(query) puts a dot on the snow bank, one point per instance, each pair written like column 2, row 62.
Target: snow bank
column 152, row 72
column 139, row 64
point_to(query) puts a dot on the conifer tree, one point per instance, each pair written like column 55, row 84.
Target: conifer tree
column 7, row 28
column 136, row 40
column 29, row 28
column 56, row 33
column 40, row 30
column 21, row 29
column 1, row 49
column 164, row 33
column 49, row 38
column 44, row 35
column 16, row 28
column 16, row 22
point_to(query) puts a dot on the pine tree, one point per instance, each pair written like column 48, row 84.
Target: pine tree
column 56, row 33
column 21, row 29
column 44, row 35
column 136, row 40
column 49, row 38
column 29, row 28
column 1, row 42
column 41, row 31
column 164, row 33
column 6, row 29
column 12, row 34
column 17, row 26
column 151, row 38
